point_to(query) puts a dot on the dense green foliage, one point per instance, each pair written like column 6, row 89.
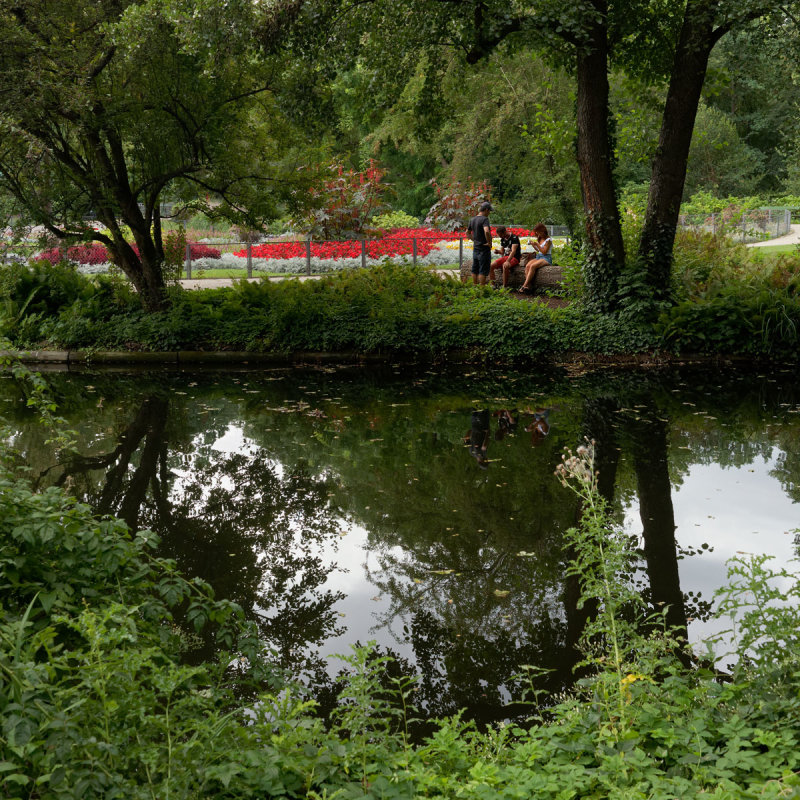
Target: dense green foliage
column 96, row 702
column 396, row 309
column 728, row 300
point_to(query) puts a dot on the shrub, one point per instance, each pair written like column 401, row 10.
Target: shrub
column 81, row 254
column 342, row 204
column 98, row 254
column 393, row 219
column 456, row 203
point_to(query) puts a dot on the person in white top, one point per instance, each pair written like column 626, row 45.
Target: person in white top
column 543, row 256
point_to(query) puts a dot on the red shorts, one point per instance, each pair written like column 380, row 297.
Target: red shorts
column 511, row 260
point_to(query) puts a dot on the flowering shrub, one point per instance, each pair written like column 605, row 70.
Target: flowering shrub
column 81, row 254
column 456, row 203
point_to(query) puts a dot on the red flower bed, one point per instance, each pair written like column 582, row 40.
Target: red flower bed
column 97, row 253
column 397, row 242
column 82, row 253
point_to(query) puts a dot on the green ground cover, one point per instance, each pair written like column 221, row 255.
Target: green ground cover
column 777, row 248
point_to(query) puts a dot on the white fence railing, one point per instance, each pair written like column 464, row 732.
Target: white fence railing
column 743, row 226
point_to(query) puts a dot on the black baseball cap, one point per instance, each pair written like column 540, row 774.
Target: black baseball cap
column 486, row 207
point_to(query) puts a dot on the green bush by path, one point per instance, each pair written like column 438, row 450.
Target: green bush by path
column 391, row 309
column 727, row 301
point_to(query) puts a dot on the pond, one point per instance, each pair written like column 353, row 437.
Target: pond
column 419, row 509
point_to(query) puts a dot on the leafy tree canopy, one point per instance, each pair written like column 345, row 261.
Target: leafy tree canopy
column 110, row 108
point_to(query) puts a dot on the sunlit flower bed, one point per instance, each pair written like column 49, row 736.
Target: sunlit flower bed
column 434, row 248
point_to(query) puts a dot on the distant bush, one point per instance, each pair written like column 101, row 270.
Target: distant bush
column 82, row 254
column 394, row 219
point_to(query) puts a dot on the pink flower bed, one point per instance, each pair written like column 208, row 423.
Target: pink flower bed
column 97, row 253
column 397, row 242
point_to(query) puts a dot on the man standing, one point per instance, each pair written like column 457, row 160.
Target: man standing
column 481, row 234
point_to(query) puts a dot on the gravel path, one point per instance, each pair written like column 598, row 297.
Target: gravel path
column 790, row 238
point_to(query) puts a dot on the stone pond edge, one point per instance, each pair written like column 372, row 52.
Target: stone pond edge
column 223, row 357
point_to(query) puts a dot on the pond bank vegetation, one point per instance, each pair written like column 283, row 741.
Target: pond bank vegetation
column 727, row 300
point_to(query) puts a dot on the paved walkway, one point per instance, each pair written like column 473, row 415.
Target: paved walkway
column 791, row 238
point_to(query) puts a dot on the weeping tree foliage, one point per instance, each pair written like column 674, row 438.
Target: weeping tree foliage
column 108, row 108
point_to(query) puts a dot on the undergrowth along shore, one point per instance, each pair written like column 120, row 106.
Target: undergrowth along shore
column 96, row 700
column 387, row 309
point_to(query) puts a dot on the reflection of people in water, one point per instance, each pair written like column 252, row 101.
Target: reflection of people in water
column 478, row 437
column 506, row 423
column 540, row 426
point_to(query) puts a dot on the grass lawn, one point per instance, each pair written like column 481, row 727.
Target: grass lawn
column 778, row 248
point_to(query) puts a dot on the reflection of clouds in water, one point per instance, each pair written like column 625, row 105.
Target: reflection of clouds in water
column 233, row 441
column 734, row 510
column 363, row 603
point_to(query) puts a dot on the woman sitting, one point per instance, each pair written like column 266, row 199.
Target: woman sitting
column 543, row 255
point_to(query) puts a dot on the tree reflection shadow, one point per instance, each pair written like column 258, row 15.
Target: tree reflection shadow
column 256, row 532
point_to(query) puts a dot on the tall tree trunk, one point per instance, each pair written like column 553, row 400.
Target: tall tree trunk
column 144, row 270
column 697, row 39
column 595, row 161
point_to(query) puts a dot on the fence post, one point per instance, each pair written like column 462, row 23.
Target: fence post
column 460, row 254
column 363, row 254
column 769, row 222
column 787, row 219
column 308, row 254
column 188, row 260
column 414, row 250
column 713, row 223
column 249, row 259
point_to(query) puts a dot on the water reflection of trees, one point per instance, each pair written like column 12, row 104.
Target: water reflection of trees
column 256, row 532
column 449, row 539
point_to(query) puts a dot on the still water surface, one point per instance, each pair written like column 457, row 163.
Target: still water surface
column 419, row 509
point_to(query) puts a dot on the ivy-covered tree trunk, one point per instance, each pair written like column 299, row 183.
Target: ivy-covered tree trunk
column 697, row 39
column 606, row 256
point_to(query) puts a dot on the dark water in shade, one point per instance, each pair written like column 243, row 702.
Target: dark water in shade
column 418, row 509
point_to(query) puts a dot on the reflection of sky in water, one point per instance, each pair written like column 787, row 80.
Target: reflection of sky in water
column 362, row 603
column 734, row 510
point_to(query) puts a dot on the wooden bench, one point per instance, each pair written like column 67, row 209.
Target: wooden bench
column 548, row 277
